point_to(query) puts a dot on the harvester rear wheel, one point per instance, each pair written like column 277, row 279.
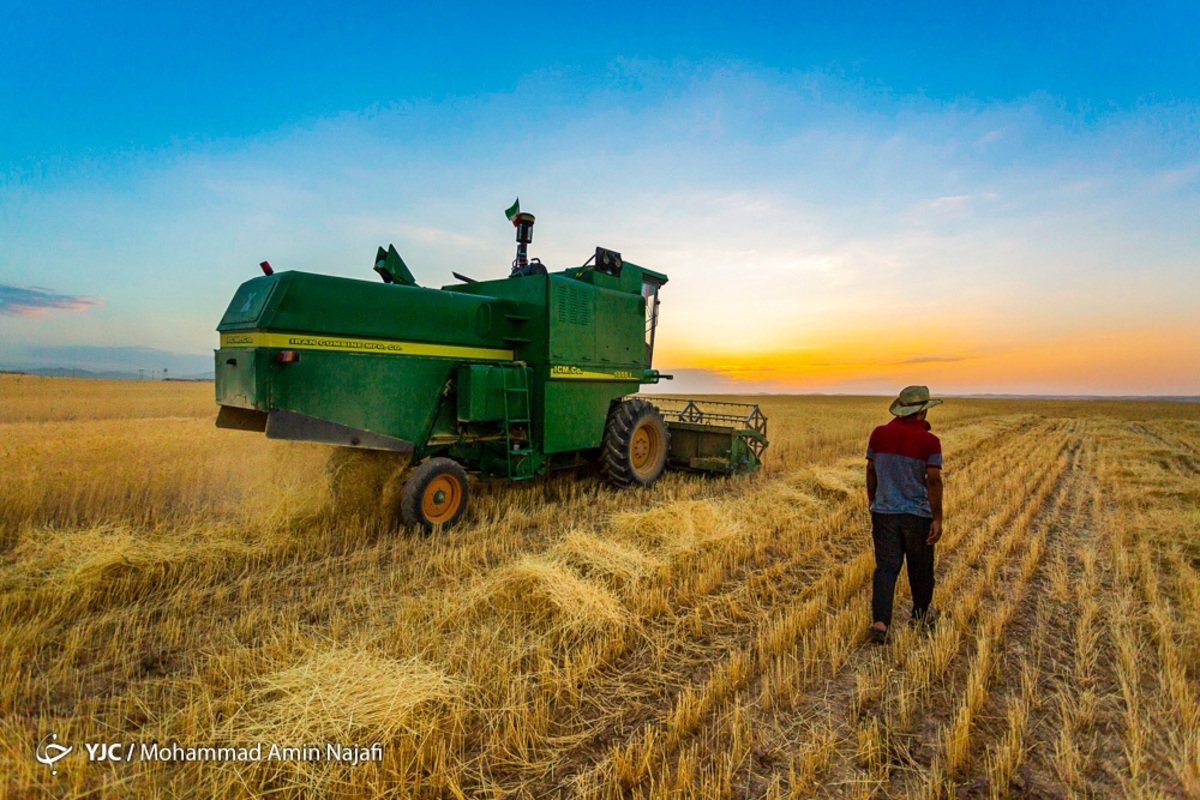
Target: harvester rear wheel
column 435, row 494
column 636, row 440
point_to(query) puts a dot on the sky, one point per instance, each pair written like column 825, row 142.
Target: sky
column 848, row 198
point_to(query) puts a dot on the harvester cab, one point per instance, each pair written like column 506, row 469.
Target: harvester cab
column 507, row 378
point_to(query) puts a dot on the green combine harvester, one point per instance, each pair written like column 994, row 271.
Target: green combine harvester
column 506, row 378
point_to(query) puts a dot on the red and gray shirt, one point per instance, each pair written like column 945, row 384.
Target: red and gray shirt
column 902, row 450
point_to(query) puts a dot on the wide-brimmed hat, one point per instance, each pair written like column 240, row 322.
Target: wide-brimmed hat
column 912, row 400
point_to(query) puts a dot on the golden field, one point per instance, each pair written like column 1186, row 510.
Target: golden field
column 165, row 581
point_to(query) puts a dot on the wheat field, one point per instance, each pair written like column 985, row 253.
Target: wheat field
column 167, row 582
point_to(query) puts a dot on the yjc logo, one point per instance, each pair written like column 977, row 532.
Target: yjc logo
column 112, row 751
column 49, row 752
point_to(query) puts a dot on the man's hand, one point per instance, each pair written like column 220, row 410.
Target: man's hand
column 933, row 484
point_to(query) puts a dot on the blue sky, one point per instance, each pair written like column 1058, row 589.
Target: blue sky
column 1021, row 181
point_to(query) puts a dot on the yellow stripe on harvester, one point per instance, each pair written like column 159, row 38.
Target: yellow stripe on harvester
column 564, row 371
column 348, row 344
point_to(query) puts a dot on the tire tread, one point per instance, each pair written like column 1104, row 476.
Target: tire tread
column 623, row 419
column 414, row 488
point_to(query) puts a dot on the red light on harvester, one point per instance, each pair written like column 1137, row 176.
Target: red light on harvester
column 266, row 268
column 287, row 357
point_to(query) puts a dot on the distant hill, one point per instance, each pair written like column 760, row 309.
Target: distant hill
column 107, row 375
column 1155, row 398
column 111, row 363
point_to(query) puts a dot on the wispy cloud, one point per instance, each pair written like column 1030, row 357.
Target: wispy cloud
column 932, row 360
column 707, row 381
column 16, row 301
column 1173, row 179
column 989, row 138
column 756, row 368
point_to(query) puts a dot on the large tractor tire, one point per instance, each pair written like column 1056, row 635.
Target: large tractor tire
column 636, row 440
column 436, row 494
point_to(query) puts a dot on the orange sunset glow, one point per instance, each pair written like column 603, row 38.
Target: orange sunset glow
column 1154, row 359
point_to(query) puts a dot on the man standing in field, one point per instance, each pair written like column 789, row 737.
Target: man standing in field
column 904, row 486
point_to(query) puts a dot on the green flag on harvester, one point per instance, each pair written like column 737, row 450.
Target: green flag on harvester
column 513, row 210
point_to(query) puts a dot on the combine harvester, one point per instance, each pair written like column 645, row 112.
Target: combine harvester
column 505, row 378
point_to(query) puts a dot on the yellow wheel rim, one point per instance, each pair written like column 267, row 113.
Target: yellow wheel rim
column 644, row 449
column 441, row 499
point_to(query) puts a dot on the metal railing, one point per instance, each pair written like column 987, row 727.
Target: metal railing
column 712, row 412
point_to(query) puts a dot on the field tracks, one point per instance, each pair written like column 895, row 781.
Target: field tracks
column 786, row 651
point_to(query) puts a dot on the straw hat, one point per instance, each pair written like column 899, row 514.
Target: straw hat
column 912, row 400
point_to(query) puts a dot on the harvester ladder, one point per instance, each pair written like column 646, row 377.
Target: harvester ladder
column 516, row 397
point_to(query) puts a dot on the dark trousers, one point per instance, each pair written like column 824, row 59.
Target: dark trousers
column 898, row 536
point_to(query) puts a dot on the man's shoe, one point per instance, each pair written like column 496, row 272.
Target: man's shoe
column 926, row 621
column 876, row 636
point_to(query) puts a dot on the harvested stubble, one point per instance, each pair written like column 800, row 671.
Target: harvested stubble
column 165, row 581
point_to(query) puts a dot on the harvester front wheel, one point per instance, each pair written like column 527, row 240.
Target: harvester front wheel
column 435, row 494
column 636, row 440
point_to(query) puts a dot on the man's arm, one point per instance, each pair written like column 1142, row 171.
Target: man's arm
column 933, row 486
column 872, row 481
